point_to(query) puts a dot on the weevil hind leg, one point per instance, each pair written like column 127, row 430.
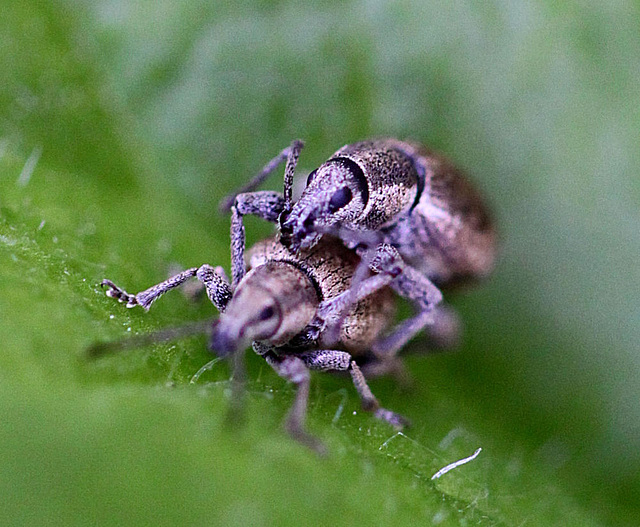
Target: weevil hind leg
column 443, row 334
column 293, row 369
column 388, row 366
column 334, row 360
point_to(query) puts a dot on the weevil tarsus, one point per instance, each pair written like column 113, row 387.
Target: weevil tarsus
column 336, row 360
column 215, row 283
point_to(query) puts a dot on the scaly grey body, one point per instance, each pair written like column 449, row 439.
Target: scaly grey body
column 409, row 214
column 419, row 203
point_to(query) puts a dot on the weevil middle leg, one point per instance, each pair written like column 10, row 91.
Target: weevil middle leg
column 295, row 369
column 410, row 284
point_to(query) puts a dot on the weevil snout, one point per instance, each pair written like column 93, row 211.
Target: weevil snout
column 222, row 342
column 272, row 303
column 252, row 314
column 299, row 231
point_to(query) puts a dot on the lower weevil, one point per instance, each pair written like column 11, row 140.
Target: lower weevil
column 282, row 306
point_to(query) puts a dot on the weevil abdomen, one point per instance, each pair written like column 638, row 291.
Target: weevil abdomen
column 449, row 234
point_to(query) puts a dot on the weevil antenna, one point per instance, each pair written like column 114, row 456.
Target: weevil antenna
column 100, row 349
column 289, row 171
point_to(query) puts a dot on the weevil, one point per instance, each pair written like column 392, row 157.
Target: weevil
column 407, row 211
column 282, row 306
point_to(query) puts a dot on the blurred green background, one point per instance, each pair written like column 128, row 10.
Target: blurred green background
column 121, row 126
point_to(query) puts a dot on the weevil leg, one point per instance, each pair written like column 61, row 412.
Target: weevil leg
column 329, row 316
column 193, row 291
column 444, row 332
column 265, row 204
column 217, row 288
column 289, row 154
column 148, row 296
column 216, row 285
column 337, row 309
column 330, row 312
column 410, row 284
column 361, row 283
column 235, row 414
column 334, row 360
column 293, row 369
column 391, row 366
column 289, row 172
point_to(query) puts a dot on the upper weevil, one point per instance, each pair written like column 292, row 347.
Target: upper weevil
column 407, row 211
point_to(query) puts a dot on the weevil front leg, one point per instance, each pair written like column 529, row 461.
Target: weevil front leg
column 330, row 313
column 293, row 369
column 289, row 154
column 265, row 204
column 334, row 360
column 215, row 283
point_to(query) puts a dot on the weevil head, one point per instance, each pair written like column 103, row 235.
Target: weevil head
column 272, row 303
column 336, row 194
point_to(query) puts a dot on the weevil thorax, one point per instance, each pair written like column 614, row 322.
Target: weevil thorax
column 272, row 303
column 329, row 266
column 363, row 186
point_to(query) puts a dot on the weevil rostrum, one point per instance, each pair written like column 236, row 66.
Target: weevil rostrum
column 408, row 212
column 283, row 305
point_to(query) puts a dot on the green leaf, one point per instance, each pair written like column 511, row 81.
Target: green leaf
column 122, row 125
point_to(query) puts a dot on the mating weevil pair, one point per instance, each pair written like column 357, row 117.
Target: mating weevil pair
column 395, row 215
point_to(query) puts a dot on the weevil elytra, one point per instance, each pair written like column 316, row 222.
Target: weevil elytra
column 407, row 211
column 282, row 306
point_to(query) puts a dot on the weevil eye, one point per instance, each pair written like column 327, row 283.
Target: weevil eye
column 311, row 176
column 266, row 313
column 340, row 198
